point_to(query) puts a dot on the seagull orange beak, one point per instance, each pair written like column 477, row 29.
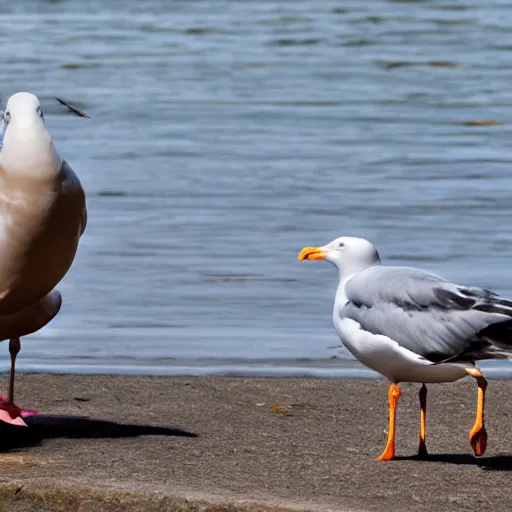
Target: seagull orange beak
column 312, row 253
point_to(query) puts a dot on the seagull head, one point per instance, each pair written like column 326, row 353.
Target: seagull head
column 348, row 254
column 27, row 146
column 23, row 111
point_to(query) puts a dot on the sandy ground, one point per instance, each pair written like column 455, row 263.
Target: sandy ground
column 221, row 444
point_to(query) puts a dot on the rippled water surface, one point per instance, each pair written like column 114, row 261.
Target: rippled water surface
column 225, row 136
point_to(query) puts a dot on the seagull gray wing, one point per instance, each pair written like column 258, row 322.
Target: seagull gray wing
column 436, row 319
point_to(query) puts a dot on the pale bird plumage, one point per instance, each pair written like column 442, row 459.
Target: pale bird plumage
column 42, row 216
column 411, row 325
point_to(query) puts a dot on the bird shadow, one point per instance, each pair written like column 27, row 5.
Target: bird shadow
column 43, row 427
column 501, row 462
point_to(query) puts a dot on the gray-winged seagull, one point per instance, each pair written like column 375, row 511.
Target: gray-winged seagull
column 413, row 326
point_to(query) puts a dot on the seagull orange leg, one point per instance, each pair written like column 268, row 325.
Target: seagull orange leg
column 393, row 396
column 478, row 434
column 422, row 448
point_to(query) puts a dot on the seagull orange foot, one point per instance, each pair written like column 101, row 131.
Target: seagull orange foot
column 387, row 454
column 478, row 440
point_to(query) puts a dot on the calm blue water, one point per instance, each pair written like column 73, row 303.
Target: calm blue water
column 225, row 136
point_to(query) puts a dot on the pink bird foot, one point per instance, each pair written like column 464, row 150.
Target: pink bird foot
column 12, row 414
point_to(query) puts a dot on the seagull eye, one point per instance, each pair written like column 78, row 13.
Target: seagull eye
column 39, row 112
column 7, row 117
column 341, row 244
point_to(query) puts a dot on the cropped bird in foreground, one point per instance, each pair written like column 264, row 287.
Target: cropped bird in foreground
column 42, row 216
column 413, row 326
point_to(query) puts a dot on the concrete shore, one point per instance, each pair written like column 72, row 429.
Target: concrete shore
column 224, row 444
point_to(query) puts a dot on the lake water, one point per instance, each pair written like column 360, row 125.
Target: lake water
column 225, row 136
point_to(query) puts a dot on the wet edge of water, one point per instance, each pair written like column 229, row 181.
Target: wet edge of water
column 351, row 370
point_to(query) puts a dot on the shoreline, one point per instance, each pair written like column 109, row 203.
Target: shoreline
column 498, row 369
column 115, row 442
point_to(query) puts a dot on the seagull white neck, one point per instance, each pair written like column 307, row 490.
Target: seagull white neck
column 29, row 154
column 341, row 298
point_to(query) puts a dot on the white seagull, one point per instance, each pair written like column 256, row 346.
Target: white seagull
column 42, row 216
column 413, row 326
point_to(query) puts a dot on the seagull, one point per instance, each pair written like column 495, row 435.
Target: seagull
column 42, row 217
column 412, row 326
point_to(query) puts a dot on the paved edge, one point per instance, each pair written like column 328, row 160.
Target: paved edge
column 27, row 497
